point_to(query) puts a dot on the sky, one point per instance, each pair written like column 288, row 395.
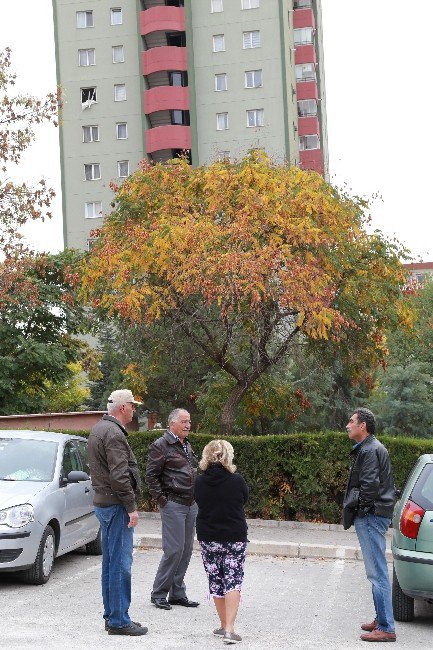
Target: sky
column 375, row 69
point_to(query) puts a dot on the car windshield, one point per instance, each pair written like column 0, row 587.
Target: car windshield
column 27, row 460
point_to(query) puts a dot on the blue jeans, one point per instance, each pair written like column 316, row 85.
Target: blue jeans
column 371, row 531
column 117, row 544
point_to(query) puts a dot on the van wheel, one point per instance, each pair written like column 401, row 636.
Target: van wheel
column 402, row 605
column 39, row 573
column 95, row 547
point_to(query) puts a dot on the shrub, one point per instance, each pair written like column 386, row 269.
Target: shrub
column 298, row 476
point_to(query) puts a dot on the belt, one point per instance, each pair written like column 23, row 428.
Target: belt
column 178, row 498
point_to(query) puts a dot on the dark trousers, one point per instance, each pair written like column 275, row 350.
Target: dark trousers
column 178, row 527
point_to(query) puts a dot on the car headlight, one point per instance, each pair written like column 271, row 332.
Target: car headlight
column 17, row 516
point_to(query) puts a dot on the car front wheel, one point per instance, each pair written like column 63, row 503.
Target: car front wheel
column 402, row 605
column 39, row 573
column 95, row 547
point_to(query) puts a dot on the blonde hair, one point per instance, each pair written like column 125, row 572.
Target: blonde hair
column 218, row 451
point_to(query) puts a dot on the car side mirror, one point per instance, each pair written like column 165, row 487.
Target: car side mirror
column 76, row 477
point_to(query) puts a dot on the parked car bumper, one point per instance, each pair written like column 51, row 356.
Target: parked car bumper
column 19, row 546
column 414, row 572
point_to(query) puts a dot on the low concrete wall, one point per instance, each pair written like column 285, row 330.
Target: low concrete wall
column 80, row 421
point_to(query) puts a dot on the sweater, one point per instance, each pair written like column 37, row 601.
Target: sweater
column 220, row 497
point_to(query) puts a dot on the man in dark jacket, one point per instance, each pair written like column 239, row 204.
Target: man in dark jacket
column 369, row 503
column 116, row 484
column 170, row 477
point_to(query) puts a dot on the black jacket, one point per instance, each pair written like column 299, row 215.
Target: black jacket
column 370, row 488
column 170, row 472
column 220, row 497
column 113, row 467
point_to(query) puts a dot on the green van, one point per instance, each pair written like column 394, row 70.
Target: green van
column 412, row 540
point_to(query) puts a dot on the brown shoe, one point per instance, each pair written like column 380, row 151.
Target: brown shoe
column 369, row 627
column 379, row 635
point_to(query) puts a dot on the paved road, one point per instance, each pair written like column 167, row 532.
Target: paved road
column 286, row 603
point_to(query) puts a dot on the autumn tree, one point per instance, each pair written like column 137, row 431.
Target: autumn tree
column 40, row 318
column 19, row 115
column 244, row 258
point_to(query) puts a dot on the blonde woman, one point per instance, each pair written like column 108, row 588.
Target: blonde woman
column 221, row 493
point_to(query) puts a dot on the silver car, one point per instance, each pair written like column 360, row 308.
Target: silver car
column 46, row 497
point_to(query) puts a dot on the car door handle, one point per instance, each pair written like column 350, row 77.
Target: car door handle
column 87, row 490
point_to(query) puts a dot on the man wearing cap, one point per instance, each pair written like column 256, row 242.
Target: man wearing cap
column 170, row 477
column 116, row 484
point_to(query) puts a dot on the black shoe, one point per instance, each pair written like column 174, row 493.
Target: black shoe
column 129, row 630
column 185, row 602
column 107, row 627
column 161, row 603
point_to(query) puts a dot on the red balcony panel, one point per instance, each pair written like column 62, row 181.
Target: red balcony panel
column 171, row 136
column 312, row 159
column 308, row 125
column 307, row 90
column 162, row 19
column 163, row 98
column 305, row 54
column 303, row 18
column 167, row 57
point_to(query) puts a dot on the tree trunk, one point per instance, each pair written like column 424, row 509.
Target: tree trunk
column 229, row 410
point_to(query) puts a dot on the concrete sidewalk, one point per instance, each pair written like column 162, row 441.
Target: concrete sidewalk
column 276, row 538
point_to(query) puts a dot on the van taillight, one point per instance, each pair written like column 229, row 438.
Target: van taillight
column 411, row 519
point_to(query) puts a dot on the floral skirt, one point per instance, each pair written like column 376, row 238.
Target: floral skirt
column 224, row 566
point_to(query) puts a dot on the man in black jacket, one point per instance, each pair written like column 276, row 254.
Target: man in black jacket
column 368, row 504
column 170, row 477
column 116, row 485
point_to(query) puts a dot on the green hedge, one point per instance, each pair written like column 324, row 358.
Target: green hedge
column 299, row 477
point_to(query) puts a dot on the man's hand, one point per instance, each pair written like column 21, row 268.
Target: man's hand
column 133, row 519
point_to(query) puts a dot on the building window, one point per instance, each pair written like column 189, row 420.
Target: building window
column 84, row 19
column 307, row 107
column 178, row 79
column 90, row 133
column 123, row 168
column 251, row 39
column 92, row 172
column 250, row 4
column 93, row 209
column 307, row 142
column 86, row 57
column 119, row 92
column 88, row 96
column 218, row 43
column 180, row 117
column 253, row 79
column 118, row 56
column 305, row 72
column 222, row 121
column 216, row 6
column 116, row 16
column 256, row 117
column 121, row 130
column 303, row 36
column 221, row 81
column 176, row 39
column 300, row 4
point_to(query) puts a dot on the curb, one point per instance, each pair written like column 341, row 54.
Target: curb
column 268, row 523
column 276, row 549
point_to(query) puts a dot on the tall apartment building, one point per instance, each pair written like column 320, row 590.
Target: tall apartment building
column 154, row 78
